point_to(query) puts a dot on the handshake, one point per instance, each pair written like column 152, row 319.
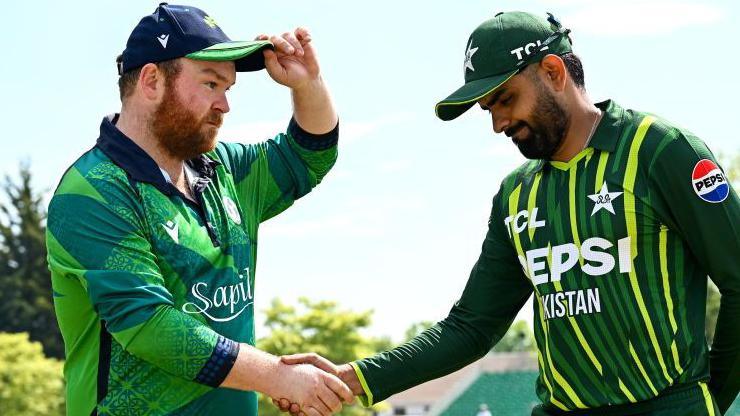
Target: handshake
column 314, row 386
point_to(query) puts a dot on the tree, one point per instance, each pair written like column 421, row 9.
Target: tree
column 320, row 327
column 30, row 384
column 713, row 301
column 519, row 337
column 416, row 328
column 25, row 283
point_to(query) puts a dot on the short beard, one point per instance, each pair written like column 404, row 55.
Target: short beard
column 179, row 132
column 547, row 129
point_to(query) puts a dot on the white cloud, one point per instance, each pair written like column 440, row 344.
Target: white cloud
column 637, row 18
column 350, row 131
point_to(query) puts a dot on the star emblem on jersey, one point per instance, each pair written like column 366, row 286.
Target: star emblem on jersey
column 163, row 39
column 172, row 229
column 603, row 200
column 469, row 56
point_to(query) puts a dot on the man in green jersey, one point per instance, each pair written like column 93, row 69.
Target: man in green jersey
column 614, row 225
column 152, row 234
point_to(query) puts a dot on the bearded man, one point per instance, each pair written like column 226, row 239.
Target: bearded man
column 613, row 225
column 152, row 234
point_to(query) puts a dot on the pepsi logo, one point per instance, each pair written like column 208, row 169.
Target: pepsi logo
column 709, row 182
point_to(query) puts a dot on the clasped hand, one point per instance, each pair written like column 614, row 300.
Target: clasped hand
column 324, row 392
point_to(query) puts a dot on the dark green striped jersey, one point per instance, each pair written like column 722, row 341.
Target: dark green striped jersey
column 616, row 246
column 154, row 292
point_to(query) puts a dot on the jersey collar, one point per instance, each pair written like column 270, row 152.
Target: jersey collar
column 137, row 163
column 609, row 130
column 607, row 133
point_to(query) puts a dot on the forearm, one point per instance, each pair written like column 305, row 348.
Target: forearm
column 181, row 346
column 725, row 354
column 313, row 108
column 438, row 351
column 253, row 370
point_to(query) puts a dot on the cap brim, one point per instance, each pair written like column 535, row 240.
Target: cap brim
column 244, row 54
column 465, row 97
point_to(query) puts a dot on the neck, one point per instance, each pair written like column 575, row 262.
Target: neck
column 584, row 116
column 136, row 127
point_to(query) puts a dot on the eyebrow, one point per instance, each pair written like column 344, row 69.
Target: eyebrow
column 217, row 75
column 496, row 95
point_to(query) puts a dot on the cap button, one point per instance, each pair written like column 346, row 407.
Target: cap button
column 498, row 14
column 164, row 3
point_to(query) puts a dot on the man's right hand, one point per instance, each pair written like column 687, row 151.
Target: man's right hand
column 314, row 392
column 344, row 372
column 311, row 390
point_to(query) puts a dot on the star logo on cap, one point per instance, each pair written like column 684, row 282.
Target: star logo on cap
column 210, row 21
column 469, row 56
column 603, row 200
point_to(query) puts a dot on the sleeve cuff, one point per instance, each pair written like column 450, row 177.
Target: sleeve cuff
column 219, row 365
column 367, row 398
column 312, row 141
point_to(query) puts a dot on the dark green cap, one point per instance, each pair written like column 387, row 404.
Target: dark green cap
column 497, row 50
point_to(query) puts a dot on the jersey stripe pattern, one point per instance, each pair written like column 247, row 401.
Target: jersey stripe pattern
column 607, row 271
column 616, row 246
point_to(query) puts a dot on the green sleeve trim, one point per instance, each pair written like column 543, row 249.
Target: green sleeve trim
column 367, row 398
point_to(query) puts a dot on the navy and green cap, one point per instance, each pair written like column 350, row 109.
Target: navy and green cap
column 174, row 31
column 497, row 50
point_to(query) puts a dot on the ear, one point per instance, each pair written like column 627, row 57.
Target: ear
column 553, row 71
column 151, row 82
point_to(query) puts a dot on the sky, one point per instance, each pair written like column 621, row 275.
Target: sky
column 398, row 223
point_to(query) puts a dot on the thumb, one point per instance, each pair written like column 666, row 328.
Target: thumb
column 312, row 359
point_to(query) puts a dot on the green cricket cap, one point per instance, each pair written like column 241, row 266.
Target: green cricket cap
column 176, row 31
column 497, row 50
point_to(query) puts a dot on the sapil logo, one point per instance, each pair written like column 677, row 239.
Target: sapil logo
column 235, row 298
column 527, row 49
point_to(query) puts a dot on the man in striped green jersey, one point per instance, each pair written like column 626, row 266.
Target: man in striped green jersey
column 614, row 225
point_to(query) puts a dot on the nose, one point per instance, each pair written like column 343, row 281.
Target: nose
column 222, row 104
column 500, row 122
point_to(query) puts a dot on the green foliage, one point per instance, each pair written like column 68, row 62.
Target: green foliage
column 320, row 327
column 519, row 337
column 415, row 329
column 713, row 300
column 25, row 284
column 731, row 166
column 30, row 383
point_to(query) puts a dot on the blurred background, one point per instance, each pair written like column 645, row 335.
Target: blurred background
column 383, row 247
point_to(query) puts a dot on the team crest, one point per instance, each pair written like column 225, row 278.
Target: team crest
column 708, row 181
column 469, row 56
column 231, row 210
column 603, row 199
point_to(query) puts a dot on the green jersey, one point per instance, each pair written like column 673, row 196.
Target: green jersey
column 153, row 291
column 616, row 245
